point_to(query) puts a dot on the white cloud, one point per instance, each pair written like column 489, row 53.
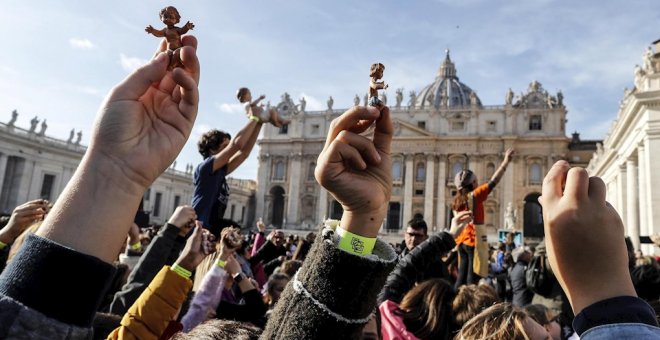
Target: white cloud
column 201, row 129
column 313, row 104
column 81, row 43
column 130, row 64
column 230, row 108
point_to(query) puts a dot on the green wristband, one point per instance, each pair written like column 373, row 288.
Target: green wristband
column 254, row 118
column 220, row 263
column 2, row 245
column 136, row 246
column 181, row 271
column 355, row 244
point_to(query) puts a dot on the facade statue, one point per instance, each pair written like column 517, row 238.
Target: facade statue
column 366, row 99
column 649, row 66
column 399, row 97
column 14, row 116
column 473, row 98
column 356, row 100
column 639, row 73
column 560, row 98
column 510, row 217
column 33, row 124
column 413, row 99
column 44, row 126
column 303, row 104
column 174, row 165
column 79, row 137
column 509, row 97
column 71, row 133
column 330, row 103
column 534, row 86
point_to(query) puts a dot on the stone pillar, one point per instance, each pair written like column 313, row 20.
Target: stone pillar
column 621, row 192
column 508, row 183
column 3, row 168
column 440, row 203
column 322, row 209
column 262, row 179
column 428, row 190
column 651, row 148
column 294, row 189
column 408, row 189
column 641, row 171
column 632, row 209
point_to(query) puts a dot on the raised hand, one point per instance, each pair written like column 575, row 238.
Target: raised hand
column 508, row 154
column 145, row 120
column 183, row 218
column 584, row 237
column 22, row 217
column 357, row 170
column 198, row 246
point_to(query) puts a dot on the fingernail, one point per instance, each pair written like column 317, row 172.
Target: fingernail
column 162, row 56
column 561, row 163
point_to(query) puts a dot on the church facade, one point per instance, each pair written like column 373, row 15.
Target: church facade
column 441, row 129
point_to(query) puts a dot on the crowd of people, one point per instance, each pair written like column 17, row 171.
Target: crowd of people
column 199, row 277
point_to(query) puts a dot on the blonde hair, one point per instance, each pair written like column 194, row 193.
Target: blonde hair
column 470, row 300
column 502, row 321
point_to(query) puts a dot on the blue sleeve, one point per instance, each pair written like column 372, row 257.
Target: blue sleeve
column 617, row 310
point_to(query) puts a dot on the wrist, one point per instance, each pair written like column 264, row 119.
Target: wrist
column 185, row 263
column 366, row 224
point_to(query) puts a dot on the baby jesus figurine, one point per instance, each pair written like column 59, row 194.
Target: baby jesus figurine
column 170, row 16
column 252, row 108
column 376, row 73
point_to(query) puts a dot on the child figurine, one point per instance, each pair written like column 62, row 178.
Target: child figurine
column 376, row 73
column 170, row 16
column 253, row 108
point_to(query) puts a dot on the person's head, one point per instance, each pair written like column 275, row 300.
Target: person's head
column 521, row 254
column 219, row 329
column 470, row 300
column 543, row 315
column 290, row 267
column 465, row 182
column 377, row 70
column 426, row 309
column 416, row 233
column 276, row 284
column 503, row 321
column 278, row 238
column 169, row 16
column 371, row 330
column 244, row 95
column 212, row 142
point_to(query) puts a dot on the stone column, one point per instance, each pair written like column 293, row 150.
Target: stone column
column 507, row 184
column 641, row 171
column 294, row 189
column 262, row 179
column 621, row 192
column 408, row 189
column 322, row 209
column 3, row 168
column 632, row 209
column 428, row 189
column 651, row 149
column 440, row 203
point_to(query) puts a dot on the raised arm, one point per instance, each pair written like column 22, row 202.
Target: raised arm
column 236, row 144
column 256, row 101
column 497, row 176
column 157, row 33
column 239, row 157
column 187, row 27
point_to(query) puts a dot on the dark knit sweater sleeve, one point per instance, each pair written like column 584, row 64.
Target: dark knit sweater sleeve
column 155, row 257
column 617, row 310
column 334, row 293
column 56, row 281
column 416, row 266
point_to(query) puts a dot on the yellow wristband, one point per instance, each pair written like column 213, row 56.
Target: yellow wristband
column 254, row 118
column 185, row 273
column 355, row 244
column 220, row 263
column 2, row 245
column 136, row 246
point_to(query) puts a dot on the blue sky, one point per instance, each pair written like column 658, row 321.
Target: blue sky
column 61, row 57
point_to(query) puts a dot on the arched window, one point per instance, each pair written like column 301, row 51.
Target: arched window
column 420, row 173
column 535, row 174
column 278, row 174
column 490, row 170
column 456, row 168
column 396, row 171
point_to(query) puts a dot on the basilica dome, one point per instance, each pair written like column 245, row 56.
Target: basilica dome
column 446, row 90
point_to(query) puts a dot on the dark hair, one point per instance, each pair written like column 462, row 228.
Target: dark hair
column 426, row 309
column 470, row 300
column 463, row 182
column 240, row 93
column 375, row 67
column 211, row 140
column 290, row 267
column 217, row 329
column 539, row 313
column 418, row 223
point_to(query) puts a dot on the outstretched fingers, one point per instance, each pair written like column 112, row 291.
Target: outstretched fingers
column 355, row 117
column 138, row 82
column 187, row 81
column 362, row 144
